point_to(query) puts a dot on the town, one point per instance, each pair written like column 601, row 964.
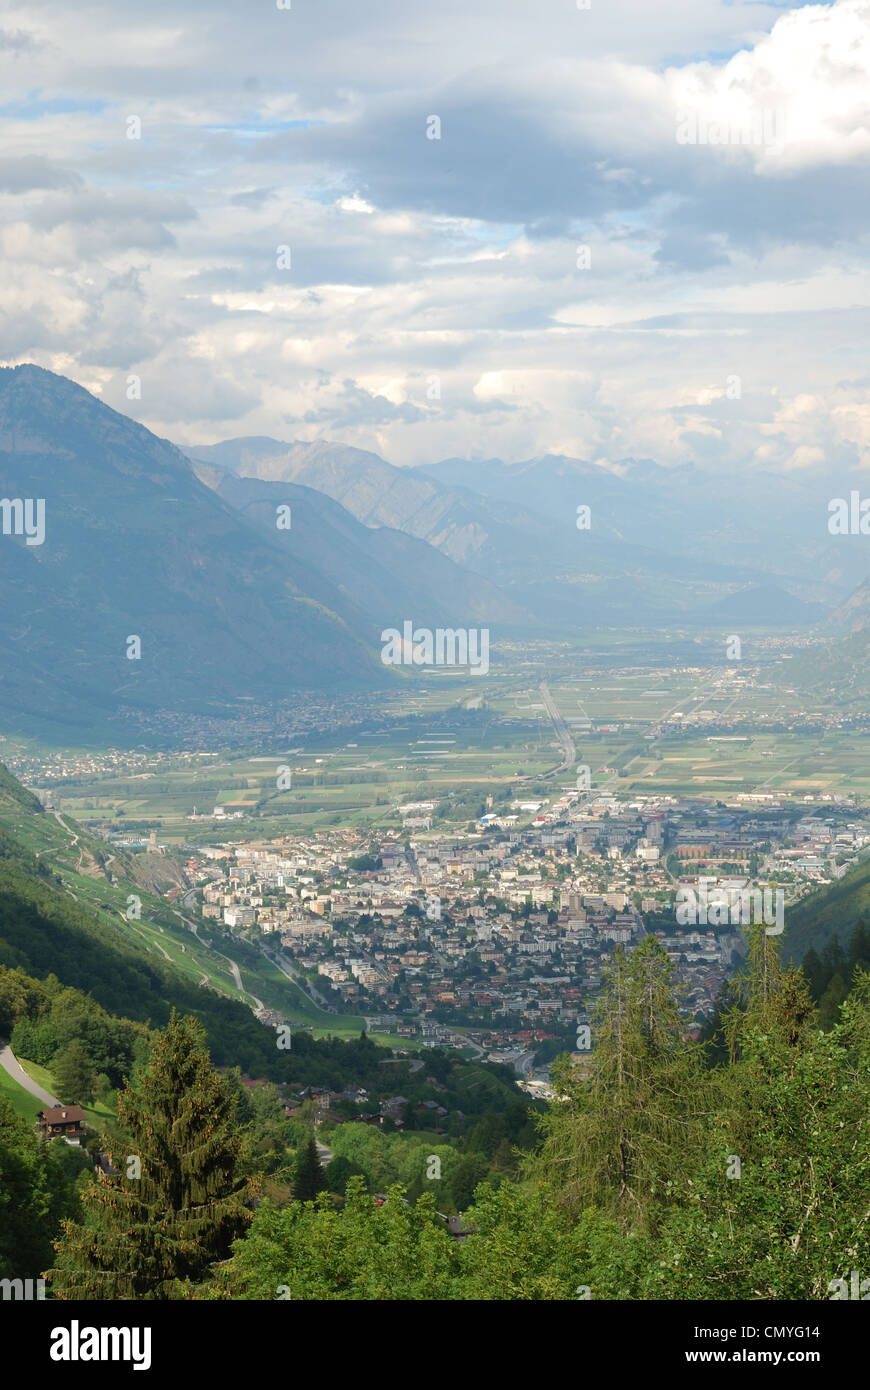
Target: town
column 496, row 940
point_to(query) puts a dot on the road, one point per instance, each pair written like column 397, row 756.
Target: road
column 563, row 734
column 10, row 1064
column 236, row 973
column 460, row 1040
column 124, row 918
column 75, row 839
column 307, row 988
column 237, row 976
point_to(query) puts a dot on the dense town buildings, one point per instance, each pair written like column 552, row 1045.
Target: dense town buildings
column 504, row 933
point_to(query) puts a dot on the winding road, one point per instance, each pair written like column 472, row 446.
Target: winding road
column 11, row 1065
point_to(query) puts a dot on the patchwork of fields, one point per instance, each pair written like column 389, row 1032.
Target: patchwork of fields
column 458, row 747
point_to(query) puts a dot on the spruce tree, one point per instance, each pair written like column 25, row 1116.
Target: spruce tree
column 178, row 1202
column 829, row 1004
column 815, row 973
column 308, row 1177
column 771, row 1000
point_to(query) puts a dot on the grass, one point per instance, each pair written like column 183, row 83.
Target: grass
column 22, row 1102
column 98, row 1113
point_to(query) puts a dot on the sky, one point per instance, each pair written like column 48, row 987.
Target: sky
column 643, row 231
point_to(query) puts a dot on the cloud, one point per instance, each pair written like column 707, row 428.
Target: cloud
column 17, row 41
column 352, row 405
column 26, row 173
column 414, row 258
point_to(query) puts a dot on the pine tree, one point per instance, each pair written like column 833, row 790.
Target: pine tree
column 154, row 1236
column 308, row 1177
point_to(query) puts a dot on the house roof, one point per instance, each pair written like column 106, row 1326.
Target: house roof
column 61, row 1114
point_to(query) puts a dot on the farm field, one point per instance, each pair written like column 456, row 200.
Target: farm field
column 456, row 741
column 354, row 783
column 490, row 741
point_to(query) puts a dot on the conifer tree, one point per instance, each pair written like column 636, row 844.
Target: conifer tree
column 308, row 1178
column 829, row 1004
column 771, row 1001
column 74, row 1075
column 178, row 1202
column 627, row 1124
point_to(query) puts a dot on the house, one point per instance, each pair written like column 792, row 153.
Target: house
column 457, row 1228
column 68, row 1120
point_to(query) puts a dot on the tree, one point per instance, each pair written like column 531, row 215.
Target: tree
column 814, row 972
column 153, row 1231
column 715, row 1029
column 468, row 1173
column 74, row 1076
column 829, row 1004
column 778, row 1206
column 308, row 1175
column 629, row 1124
column 19, row 996
column 517, row 1248
column 338, row 1173
column 34, row 1195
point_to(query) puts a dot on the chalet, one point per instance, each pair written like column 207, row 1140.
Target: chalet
column 68, row 1120
column 457, row 1228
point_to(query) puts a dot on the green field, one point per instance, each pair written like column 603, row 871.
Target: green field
column 97, row 1114
column 459, row 756
column 356, row 783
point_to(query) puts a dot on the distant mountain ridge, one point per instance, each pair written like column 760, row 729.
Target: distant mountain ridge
column 665, row 546
column 152, row 588
column 385, row 574
column 853, row 614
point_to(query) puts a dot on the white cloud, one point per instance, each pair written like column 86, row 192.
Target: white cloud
column 455, row 258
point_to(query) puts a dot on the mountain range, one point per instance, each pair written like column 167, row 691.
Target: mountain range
column 663, row 546
column 199, row 579
column 226, row 606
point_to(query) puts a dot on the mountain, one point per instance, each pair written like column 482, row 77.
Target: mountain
column 517, row 526
column 763, row 522
column 768, row 604
column 853, row 614
column 136, row 545
column 834, row 909
column 14, row 798
column 666, row 545
column 837, row 665
column 384, row 575
column 463, row 525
